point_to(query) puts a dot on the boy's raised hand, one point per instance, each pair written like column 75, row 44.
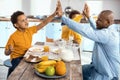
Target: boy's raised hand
column 86, row 10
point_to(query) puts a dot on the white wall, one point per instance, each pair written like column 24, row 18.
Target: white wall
column 113, row 5
column 40, row 7
column 26, row 6
column 106, row 4
column 7, row 7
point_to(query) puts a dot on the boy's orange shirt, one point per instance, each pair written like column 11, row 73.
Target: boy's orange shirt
column 66, row 32
column 20, row 41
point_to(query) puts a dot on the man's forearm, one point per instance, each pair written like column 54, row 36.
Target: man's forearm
column 92, row 22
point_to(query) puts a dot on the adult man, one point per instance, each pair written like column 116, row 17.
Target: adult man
column 106, row 58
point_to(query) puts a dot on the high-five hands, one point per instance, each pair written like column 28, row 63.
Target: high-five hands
column 59, row 9
column 59, row 12
column 86, row 11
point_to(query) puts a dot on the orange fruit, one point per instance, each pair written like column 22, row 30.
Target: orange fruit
column 60, row 68
column 46, row 48
column 61, row 63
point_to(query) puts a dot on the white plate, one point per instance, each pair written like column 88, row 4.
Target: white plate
column 36, row 49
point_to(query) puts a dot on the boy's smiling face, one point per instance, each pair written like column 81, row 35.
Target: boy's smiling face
column 22, row 22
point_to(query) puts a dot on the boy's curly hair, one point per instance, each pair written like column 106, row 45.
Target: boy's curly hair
column 14, row 17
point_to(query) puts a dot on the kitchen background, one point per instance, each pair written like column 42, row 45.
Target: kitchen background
column 40, row 9
column 46, row 7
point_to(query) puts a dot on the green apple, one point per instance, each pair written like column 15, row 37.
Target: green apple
column 50, row 71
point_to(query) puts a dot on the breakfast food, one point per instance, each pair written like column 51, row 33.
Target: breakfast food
column 46, row 48
column 44, row 58
column 42, row 66
column 50, row 71
column 48, row 63
column 40, row 69
column 60, row 68
column 31, row 58
column 51, row 68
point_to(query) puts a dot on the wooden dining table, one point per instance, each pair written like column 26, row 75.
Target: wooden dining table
column 26, row 71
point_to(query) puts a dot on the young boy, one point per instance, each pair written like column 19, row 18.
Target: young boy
column 67, row 32
column 106, row 57
column 21, row 39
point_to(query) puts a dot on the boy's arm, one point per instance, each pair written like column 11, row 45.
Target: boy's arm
column 47, row 20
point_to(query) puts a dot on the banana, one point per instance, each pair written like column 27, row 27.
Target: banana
column 47, row 63
column 41, row 70
column 42, row 66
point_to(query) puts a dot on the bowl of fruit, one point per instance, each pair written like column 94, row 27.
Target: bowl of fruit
column 50, row 69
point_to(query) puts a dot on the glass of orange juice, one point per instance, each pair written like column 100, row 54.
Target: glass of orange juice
column 46, row 48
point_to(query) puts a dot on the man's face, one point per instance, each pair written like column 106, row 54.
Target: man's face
column 102, row 22
column 22, row 22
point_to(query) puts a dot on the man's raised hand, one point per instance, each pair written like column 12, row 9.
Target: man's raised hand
column 86, row 10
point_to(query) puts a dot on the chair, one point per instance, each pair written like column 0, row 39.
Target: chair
column 7, row 63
